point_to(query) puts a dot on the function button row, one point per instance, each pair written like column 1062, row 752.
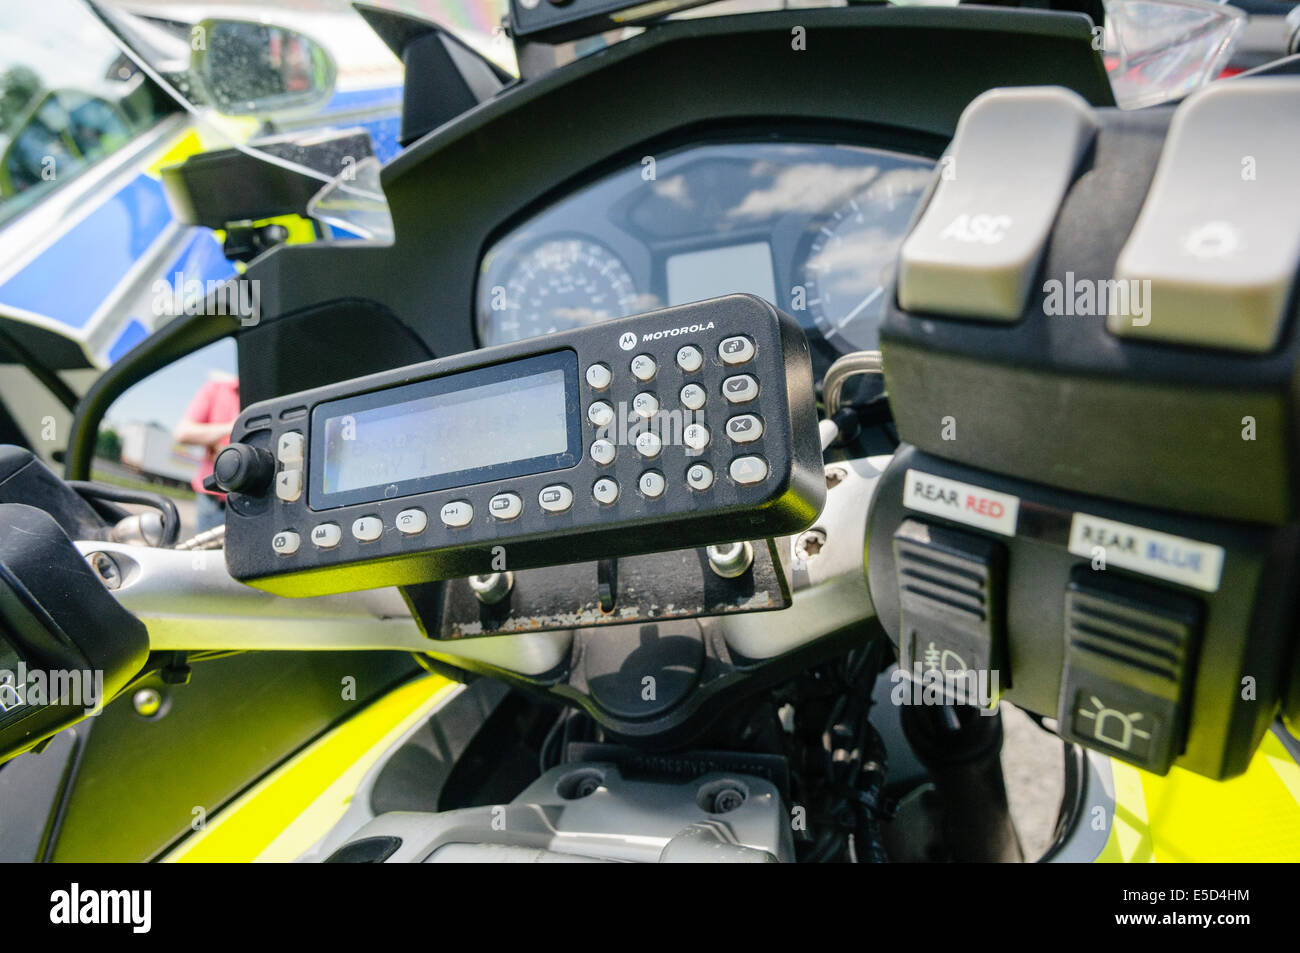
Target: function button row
column 556, row 498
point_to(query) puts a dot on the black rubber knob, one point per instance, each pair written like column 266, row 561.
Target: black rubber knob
column 240, row 468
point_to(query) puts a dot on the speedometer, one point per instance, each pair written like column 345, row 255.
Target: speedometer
column 850, row 253
column 561, row 283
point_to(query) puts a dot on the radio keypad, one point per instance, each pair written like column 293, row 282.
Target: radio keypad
column 643, row 367
column 740, row 389
column 505, row 506
column 555, row 498
column 699, row 475
column 411, row 522
column 457, row 514
column 326, row 535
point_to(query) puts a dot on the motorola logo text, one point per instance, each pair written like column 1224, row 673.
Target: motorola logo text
column 673, row 332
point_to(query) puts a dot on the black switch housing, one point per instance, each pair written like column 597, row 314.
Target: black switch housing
column 951, row 587
column 1129, row 649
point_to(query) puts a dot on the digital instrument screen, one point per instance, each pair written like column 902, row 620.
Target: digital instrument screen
column 491, row 423
column 694, row 276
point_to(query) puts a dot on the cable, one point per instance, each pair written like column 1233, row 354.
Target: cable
column 850, row 365
column 171, row 517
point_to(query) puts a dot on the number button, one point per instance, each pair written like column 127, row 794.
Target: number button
column 644, row 367
column 555, row 498
column 604, row 491
column 326, row 535
column 736, row 350
column 505, row 506
column 647, row 405
column 603, row 452
column 410, row 522
column 600, row 414
column 368, row 529
column 693, row 396
column 690, row 358
column 286, row 543
column 696, row 436
column 699, row 476
column 648, row 444
column 740, row 388
column 598, row 376
column 457, row 514
column 652, row 484
column 744, row 429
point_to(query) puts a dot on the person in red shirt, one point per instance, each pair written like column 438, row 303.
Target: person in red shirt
column 206, row 423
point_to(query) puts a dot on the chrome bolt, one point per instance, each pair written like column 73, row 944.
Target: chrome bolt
column 493, row 587
column 730, row 560
column 148, row 702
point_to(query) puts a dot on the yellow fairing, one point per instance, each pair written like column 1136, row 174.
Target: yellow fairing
column 1184, row 817
column 290, row 809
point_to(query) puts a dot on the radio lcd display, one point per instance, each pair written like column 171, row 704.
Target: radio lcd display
column 496, row 422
